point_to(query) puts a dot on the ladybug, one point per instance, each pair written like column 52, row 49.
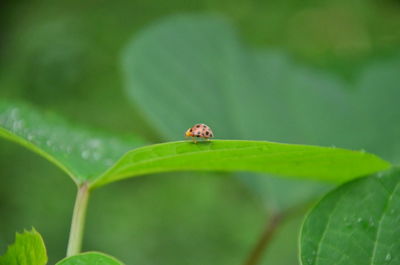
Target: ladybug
column 199, row 130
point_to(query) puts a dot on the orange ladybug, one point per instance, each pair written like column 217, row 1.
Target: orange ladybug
column 201, row 131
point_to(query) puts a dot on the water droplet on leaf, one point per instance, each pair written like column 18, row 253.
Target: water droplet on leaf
column 85, row 154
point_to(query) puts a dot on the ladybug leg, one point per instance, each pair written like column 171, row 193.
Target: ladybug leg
column 194, row 140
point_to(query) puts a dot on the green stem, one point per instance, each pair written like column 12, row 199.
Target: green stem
column 78, row 220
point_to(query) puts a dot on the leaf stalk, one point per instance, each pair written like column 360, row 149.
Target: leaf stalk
column 78, row 220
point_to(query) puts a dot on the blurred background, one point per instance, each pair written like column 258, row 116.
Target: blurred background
column 309, row 72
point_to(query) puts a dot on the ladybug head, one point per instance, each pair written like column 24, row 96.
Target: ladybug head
column 188, row 133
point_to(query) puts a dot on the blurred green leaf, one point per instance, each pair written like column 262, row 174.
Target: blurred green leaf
column 191, row 68
column 90, row 258
column 82, row 153
column 299, row 161
column 358, row 223
column 28, row 249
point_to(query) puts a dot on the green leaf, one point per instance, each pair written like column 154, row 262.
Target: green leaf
column 82, row 153
column 299, row 161
column 90, row 258
column 28, row 249
column 358, row 223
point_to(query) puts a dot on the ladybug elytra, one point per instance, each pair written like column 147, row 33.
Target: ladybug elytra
column 201, row 131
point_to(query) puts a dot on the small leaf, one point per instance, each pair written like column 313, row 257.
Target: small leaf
column 82, row 153
column 28, row 249
column 90, row 258
column 358, row 223
column 300, row 161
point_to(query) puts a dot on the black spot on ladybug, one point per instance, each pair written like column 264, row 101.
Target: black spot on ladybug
column 211, row 135
column 198, row 126
column 191, row 130
column 207, row 133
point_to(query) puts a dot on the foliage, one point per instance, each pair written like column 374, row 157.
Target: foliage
column 84, row 156
column 81, row 153
column 210, row 76
column 90, row 258
column 28, row 249
column 283, row 101
column 243, row 93
column 31, row 128
column 297, row 161
column 355, row 224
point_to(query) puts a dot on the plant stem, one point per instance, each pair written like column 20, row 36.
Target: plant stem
column 272, row 225
column 262, row 244
column 78, row 220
